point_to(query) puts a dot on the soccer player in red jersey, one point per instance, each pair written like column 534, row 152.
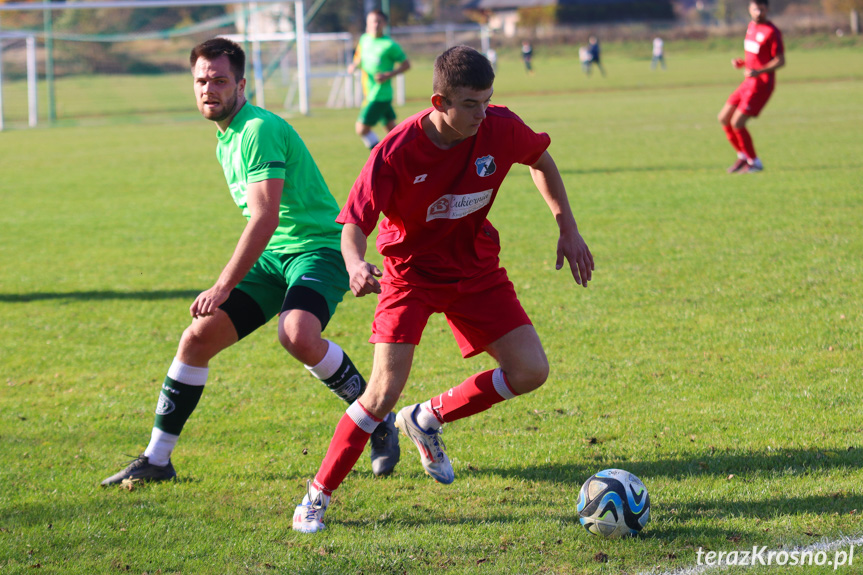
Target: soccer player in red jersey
column 764, row 55
column 434, row 178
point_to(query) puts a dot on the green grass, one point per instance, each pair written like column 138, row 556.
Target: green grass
column 716, row 354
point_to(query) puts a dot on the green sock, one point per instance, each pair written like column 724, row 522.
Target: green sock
column 177, row 401
column 339, row 374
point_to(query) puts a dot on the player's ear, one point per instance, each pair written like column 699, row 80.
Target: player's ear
column 440, row 102
column 241, row 86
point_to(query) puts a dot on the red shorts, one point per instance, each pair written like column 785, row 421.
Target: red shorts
column 751, row 96
column 479, row 311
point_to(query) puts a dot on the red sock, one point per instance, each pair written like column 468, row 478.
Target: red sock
column 474, row 395
column 732, row 137
column 352, row 433
column 746, row 145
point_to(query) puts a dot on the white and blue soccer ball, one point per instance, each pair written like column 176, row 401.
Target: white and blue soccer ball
column 613, row 503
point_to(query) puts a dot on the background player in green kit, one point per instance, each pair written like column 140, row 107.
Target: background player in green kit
column 380, row 59
column 287, row 263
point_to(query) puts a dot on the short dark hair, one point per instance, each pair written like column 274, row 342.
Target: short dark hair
column 380, row 13
column 760, row 2
column 461, row 67
column 215, row 47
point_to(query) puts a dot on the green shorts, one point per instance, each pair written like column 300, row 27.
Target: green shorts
column 373, row 112
column 322, row 271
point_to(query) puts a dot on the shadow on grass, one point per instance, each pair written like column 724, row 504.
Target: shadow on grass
column 744, row 466
column 99, row 295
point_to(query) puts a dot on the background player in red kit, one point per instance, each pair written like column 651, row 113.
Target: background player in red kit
column 764, row 55
column 435, row 178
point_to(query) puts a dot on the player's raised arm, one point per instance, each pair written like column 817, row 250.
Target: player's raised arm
column 570, row 244
column 361, row 273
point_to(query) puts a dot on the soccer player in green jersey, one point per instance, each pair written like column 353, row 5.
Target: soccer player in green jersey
column 287, row 262
column 380, row 59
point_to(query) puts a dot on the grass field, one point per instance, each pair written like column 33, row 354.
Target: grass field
column 717, row 353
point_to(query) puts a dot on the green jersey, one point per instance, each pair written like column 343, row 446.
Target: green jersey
column 258, row 146
column 377, row 55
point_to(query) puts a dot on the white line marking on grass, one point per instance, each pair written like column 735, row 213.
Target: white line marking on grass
column 736, row 559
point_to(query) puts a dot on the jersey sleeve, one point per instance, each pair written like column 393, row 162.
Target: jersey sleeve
column 369, row 195
column 527, row 144
column 396, row 53
column 264, row 151
column 777, row 47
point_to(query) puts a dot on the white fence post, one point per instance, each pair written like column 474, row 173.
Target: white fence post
column 32, row 99
column 302, row 57
column 1, row 85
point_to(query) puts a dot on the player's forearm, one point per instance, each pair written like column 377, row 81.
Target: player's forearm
column 250, row 246
column 402, row 68
column 549, row 182
column 354, row 245
column 771, row 66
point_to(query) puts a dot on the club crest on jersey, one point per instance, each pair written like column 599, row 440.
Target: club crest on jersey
column 485, row 166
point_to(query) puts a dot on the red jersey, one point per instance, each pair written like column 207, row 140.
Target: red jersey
column 763, row 43
column 435, row 202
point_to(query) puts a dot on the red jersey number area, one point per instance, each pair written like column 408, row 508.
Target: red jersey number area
column 763, row 42
column 435, row 201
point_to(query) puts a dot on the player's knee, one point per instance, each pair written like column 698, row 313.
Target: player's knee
column 379, row 400
column 197, row 344
column 528, row 375
column 301, row 345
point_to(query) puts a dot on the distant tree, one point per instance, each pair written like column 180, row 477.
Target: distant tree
column 841, row 6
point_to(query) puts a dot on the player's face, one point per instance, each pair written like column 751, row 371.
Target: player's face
column 758, row 12
column 217, row 92
column 465, row 109
column 375, row 25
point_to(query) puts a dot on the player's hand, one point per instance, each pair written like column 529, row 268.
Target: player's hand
column 737, row 63
column 362, row 279
column 574, row 249
column 382, row 77
column 209, row 301
column 750, row 73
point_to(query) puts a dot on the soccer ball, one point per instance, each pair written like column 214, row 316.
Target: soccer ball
column 613, row 503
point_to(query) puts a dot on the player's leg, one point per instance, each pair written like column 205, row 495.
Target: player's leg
column 317, row 281
column 367, row 120
column 391, row 368
column 724, row 117
column 523, row 368
column 185, row 381
column 388, row 115
column 486, row 316
column 750, row 106
column 744, row 139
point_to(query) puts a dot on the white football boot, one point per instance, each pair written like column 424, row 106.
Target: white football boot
column 309, row 515
column 431, row 447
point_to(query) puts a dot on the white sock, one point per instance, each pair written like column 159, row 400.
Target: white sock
column 741, row 156
column 370, row 140
column 161, row 446
column 426, row 418
column 327, row 367
column 188, row 374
